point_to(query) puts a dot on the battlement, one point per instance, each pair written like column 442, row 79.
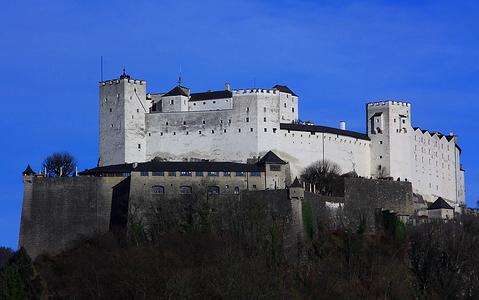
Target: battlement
column 255, row 91
column 117, row 81
column 389, row 102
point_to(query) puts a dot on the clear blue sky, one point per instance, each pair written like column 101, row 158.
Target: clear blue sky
column 335, row 56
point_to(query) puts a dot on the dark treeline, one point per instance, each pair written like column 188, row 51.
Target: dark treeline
column 236, row 248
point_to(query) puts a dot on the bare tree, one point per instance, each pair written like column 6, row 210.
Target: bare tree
column 59, row 164
column 322, row 174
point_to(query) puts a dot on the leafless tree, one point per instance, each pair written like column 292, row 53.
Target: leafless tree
column 322, row 174
column 59, row 164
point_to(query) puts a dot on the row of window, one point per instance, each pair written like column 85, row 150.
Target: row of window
column 200, row 174
column 187, row 190
column 213, row 131
column 329, row 138
column 421, row 139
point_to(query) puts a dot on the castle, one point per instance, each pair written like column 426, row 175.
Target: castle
column 236, row 144
column 237, row 125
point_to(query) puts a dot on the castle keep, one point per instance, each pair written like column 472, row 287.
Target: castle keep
column 236, row 125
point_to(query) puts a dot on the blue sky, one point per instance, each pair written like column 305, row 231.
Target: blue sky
column 336, row 55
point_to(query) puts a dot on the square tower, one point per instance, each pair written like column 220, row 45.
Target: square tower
column 122, row 108
column 391, row 134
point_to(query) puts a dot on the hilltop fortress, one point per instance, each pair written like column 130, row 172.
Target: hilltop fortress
column 237, row 145
column 237, row 125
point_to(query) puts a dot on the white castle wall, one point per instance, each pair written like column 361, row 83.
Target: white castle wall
column 437, row 167
column 302, row 148
column 214, row 134
column 248, row 125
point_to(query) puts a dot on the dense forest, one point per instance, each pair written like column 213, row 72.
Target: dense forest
column 208, row 252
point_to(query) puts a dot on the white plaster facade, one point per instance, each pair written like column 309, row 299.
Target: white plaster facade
column 241, row 124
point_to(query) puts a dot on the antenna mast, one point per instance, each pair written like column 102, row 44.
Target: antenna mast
column 101, row 68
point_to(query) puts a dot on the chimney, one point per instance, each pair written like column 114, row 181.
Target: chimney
column 342, row 125
column 227, row 87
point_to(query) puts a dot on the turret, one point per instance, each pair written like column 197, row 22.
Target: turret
column 122, row 109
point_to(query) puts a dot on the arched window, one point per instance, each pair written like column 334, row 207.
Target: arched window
column 185, row 190
column 157, row 189
column 213, row 190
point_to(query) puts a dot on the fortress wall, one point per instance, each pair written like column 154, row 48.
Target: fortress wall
column 385, row 194
column 58, row 211
column 302, row 148
column 225, row 135
column 436, row 167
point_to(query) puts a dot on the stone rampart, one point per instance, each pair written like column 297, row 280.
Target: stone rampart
column 58, row 211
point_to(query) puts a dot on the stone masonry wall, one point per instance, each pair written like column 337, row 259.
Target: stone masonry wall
column 58, row 211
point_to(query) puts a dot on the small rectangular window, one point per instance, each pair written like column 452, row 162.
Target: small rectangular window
column 160, row 173
column 265, row 130
column 185, row 173
column 264, row 119
column 172, row 173
column 213, row 173
column 139, row 146
column 247, row 120
column 239, row 174
column 275, row 167
column 172, row 102
column 227, row 174
column 199, row 174
column 144, row 174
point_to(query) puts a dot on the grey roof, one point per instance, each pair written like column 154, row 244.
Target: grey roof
column 178, row 91
column 112, row 169
column 28, row 171
column 271, row 158
column 323, row 129
column 172, row 166
column 211, row 95
column 204, row 166
column 296, row 183
column 193, row 166
column 440, row 204
column 284, row 89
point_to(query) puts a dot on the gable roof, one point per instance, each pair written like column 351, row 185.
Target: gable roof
column 440, row 204
column 271, row 158
column 296, row 183
column 28, row 171
column 178, row 91
column 211, row 95
column 324, row 129
column 284, row 89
